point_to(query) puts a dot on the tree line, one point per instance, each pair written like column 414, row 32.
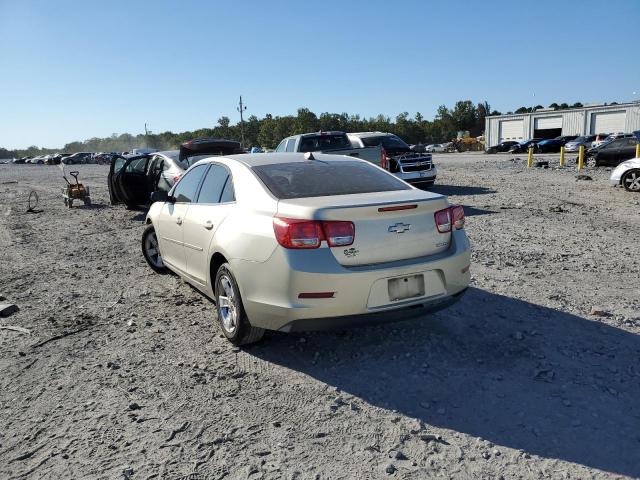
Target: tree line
column 267, row 132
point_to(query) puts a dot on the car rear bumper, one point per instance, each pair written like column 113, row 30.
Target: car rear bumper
column 271, row 289
column 418, row 177
column 397, row 315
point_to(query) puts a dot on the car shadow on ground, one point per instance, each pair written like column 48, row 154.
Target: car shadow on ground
column 449, row 190
column 472, row 211
column 514, row 373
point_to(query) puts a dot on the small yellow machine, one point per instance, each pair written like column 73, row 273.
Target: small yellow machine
column 75, row 191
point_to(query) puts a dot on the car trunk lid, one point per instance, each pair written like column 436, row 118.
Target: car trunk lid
column 389, row 226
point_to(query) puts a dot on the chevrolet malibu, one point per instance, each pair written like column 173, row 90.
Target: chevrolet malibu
column 293, row 241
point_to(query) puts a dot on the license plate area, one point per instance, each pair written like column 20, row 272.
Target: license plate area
column 403, row 288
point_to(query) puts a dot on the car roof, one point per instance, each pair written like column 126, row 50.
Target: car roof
column 259, row 159
column 166, row 153
column 373, row 134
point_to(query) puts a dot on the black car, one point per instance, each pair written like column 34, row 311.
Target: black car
column 77, row 158
column 553, row 145
column 502, row 147
column 614, row 152
column 523, row 147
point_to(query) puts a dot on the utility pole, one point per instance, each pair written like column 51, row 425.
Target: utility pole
column 241, row 109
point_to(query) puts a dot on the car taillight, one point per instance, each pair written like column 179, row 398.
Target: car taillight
column 339, row 234
column 292, row 233
column 295, row 233
column 449, row 217
column 384, row 160
column 457, row 216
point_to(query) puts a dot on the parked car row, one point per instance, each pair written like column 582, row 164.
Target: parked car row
column 571, row 143
column 67, row 159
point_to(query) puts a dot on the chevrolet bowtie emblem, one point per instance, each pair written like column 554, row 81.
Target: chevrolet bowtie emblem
column 399, row 227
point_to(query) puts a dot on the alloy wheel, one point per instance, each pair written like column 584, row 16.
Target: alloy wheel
column 228, row 304
column 631, row 181
column 153, row 252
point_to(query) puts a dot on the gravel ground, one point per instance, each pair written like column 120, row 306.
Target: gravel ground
column 125, row 375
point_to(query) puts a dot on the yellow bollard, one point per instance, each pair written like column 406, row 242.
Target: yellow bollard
column 638, row 150
column 562, row 156
column 581, row 157
column 530, row 158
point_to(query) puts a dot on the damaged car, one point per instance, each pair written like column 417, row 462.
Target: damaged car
column 132, row 178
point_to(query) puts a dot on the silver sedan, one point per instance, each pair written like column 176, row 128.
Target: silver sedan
column 292, row 241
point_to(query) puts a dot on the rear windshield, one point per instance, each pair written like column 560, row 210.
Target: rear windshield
column 322, row 179
column 389, row 142
column 324, row 142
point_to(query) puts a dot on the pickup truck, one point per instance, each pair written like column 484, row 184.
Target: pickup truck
column 398, row 158
column 329, row 142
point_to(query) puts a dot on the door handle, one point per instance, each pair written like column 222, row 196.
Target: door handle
column 208, row 225
column 179, row 220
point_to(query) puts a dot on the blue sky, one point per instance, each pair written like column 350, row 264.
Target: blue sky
column 71, row 70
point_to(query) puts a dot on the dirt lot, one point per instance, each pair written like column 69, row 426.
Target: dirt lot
column 125, row 375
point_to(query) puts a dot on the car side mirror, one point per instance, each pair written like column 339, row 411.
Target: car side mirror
column 160, row 196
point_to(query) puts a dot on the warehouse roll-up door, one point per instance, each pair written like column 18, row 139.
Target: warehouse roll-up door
column 607, row 122
column 511, row 130
column 547, row 127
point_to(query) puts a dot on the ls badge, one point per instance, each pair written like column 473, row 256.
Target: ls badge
column 351, row 252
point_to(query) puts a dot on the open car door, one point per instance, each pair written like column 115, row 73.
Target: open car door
column 154, row 175
column 117, row 162
column 132, row 184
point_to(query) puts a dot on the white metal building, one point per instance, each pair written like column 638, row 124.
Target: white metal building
column 548, row 123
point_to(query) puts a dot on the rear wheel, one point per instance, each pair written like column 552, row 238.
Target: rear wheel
column 631, row 181
column 231, row 315
column 151, row 250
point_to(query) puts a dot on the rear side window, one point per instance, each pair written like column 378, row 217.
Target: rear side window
column 136, row 166
column 321, row 179
column 187, row 187
column 228, row 194
column 118, row 163
column 213, row 184
column 324, row 142
column 389, row 142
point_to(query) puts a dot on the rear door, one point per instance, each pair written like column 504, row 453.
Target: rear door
column 172, row 216
column 215, row 199
column 154, row 173
column 626, row 150
column 132, row 181
column 117, row 162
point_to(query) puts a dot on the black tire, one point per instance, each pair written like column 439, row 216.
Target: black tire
column 630, row 179
column 148, row 239
column 243, row 332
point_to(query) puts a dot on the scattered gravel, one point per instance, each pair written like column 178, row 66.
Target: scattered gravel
column 534, row 374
